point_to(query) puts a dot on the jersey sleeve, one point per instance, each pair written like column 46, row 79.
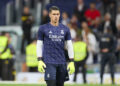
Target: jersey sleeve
column 40, row 33
column 68, row 35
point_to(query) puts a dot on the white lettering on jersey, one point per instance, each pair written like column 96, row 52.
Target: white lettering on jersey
column 56, row 38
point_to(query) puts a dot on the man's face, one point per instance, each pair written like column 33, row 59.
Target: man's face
column 80, row 1
column 84, row 25
column 54, row 16
column 92, row 6
column 26, row 10
column 107, row 17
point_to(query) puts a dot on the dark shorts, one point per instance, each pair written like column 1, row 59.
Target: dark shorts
column 56, row 72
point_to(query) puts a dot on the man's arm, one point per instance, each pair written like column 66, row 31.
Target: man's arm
column 113, row 44
column 39, row 49
column 40, row 42
column 41, row 64
column 69, row 47
column 70, row 67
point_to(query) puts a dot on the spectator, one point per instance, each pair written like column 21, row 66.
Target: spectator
column 65, row 18
column 98, row 4
column 27, row 21
column 118, row 43
column 106, row 4
column 97, row 27
column 74, row 21
column 80, row 10
column 107, row 50
column 45, row 17
column 108, row 23
column 72, row 31
column 91, row 14
column 113, row 9
column 110, row 6
column 91, row 42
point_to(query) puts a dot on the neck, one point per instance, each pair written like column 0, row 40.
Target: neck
column 54, row 23
column 92, row 9
column 34, row 42
column 81, row 4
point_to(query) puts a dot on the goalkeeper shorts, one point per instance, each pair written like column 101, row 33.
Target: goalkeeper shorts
column 56, row 72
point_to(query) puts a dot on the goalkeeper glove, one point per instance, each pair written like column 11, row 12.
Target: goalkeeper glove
column 41, row 66
column 71, row 68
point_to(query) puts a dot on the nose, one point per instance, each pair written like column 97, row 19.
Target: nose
column 55, row 17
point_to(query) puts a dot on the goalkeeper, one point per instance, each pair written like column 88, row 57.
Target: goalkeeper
column 53, row 37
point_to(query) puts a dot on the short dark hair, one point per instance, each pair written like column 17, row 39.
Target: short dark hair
column 53, row 8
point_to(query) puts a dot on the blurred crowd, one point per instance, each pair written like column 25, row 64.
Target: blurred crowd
column 88, row 22
column 91, row 23
column 96, row 26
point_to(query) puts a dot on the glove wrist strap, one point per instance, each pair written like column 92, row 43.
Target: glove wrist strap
column 71, row 60
column 39, row 58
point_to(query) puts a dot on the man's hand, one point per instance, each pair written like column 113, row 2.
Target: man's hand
column 71, row 67
column 105, row 50
column 41, row 66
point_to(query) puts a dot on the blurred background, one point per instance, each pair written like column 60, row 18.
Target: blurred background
column 89, row 19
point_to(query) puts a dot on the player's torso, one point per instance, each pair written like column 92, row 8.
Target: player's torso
column 54, row 34
column 54, row 40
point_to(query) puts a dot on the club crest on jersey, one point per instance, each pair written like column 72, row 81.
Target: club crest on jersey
column 50, row 31
column 62, row 31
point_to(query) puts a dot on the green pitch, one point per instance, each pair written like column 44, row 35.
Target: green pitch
column 45, row 85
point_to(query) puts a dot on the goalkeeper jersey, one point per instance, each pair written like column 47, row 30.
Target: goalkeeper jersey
column 54, row 38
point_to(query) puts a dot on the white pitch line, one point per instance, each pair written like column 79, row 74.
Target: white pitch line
column 18, row 82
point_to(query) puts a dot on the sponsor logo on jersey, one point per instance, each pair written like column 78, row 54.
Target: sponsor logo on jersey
column 62, row 31
column 50, row 31
column 56, row 37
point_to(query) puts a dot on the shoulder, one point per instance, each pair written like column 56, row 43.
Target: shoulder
column 97, row 11
column 64, row 27
column 91, row 35
column 28, row 46
column 44, row 26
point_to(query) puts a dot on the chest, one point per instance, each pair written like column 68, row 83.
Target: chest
column 105, row 39
column 55, row 34
column 92, row 14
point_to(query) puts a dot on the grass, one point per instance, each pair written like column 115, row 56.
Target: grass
column 45, row 85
